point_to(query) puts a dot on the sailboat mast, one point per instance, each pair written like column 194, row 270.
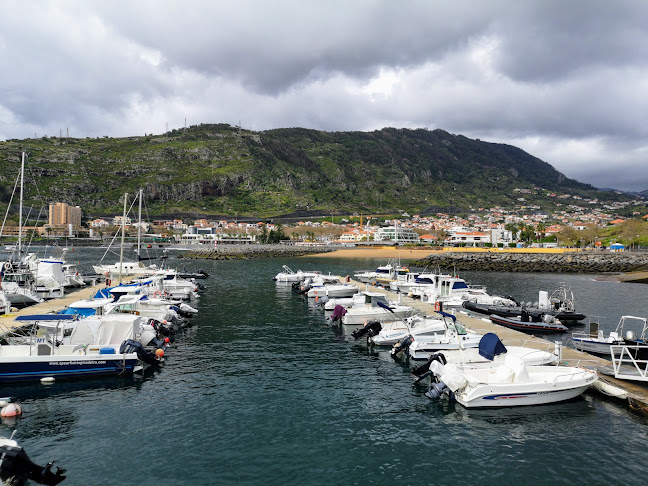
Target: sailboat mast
column 20, row 211
column 121, row 252
column 139, row 225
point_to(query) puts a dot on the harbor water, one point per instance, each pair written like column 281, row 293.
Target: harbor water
column 261, row 390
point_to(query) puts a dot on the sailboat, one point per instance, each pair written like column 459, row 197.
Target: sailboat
column 18, row 283
column 126, row 268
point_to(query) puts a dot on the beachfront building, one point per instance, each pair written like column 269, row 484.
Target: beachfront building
column 397, row 234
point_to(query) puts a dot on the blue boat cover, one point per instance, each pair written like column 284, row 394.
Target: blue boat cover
column 445, row 314
column 45, row 317
column 83, row 312
column 490, row 346
column 104, row 293
column 384, row 306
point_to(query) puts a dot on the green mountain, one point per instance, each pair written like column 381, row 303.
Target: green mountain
column 221, row 170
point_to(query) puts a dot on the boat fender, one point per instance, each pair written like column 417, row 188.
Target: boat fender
column 11, row 410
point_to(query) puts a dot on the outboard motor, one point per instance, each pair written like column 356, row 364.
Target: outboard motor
column 402, row 346
column 436, row 390
column 130, row 346
column 17, row 468
column 424, row 370
column 370, row 329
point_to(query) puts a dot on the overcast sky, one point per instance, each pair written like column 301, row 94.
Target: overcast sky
column 565, row 80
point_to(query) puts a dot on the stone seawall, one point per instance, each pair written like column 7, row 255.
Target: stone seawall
column 538, row 262
column 248, row 252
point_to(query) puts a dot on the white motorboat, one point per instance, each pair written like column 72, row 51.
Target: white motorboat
column 595, row 341
column 375, row 307
column 19, row 286
column 288, row 276
column 385, row 272
column 454, row 337
column 49, row 276
column 5, row 305
column 413, row 281
column 491, row 351
column 452, row 292
column 321, row 287
column 441, row 332
column 93, row 349
column 510, row 384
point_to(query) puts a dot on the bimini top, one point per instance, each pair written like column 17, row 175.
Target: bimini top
column 491, row 346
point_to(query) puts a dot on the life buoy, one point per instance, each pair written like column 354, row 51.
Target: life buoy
column 437, row 306
column 7, row 266
column 157, row 293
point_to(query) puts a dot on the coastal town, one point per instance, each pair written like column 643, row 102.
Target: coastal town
column 573, row 221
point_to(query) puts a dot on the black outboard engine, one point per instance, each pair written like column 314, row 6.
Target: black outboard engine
column 424, row 370
column 16, row 468
column 370, row 329
column 436, row 390
column 402, row 346
column 130, row 346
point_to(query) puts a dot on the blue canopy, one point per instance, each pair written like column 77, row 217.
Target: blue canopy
column 490, row 346
column 82, row 311
column 384, row 306
column 46, row 317
column 445, row 314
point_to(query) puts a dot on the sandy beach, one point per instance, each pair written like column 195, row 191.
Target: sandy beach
column 380, row 252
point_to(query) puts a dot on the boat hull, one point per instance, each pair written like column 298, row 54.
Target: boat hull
column 29, row 368
column 528, row 326
column 590, row 346
column 558, row 385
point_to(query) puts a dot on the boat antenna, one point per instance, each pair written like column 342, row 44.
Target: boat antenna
column 22, row 180
column 139, row 225
column 123, row 233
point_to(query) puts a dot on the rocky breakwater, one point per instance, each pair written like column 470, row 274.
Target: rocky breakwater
column 576, row 262
column 248, row 252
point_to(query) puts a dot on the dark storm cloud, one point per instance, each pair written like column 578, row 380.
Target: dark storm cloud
column 562, row 80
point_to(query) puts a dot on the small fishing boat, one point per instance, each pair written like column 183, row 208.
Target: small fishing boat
column 95, row 348
column 530, row 323
column 510, row 384
column 595, row 341
column 431, row 339
column 288, row 276
column 375, row 307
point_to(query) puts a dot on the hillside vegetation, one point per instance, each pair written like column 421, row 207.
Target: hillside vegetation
column 221, row 170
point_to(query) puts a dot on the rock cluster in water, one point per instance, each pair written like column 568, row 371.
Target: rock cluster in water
column 594, row 262
column 248, row 252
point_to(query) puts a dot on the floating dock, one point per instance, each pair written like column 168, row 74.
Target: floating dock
column 8, row 321
column 636, row 395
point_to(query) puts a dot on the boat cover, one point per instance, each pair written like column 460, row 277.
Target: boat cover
column 491, row 346
column 76, row 311
column 445, row 314
column 384, row 306
column 46, row 317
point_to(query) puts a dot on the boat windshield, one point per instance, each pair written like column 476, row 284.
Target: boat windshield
column 457, row 326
